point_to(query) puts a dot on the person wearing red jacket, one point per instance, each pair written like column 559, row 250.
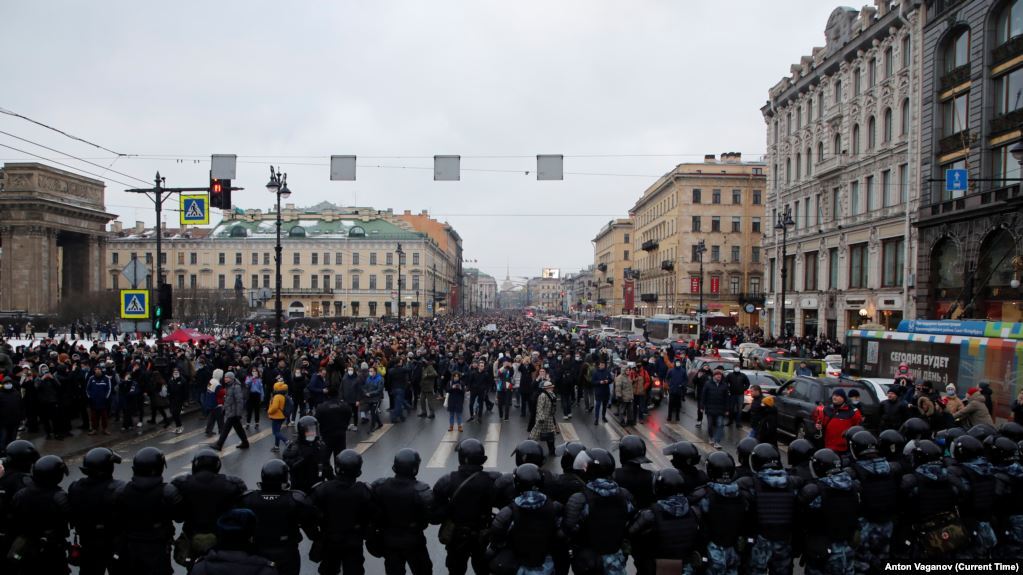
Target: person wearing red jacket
column 833, row 420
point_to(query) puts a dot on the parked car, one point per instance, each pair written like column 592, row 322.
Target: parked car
column 797, row 399
column 729, row 354
column 880, row 384
column 762, row 357
column 785, row 369
column 768, row 383
column 715, row 363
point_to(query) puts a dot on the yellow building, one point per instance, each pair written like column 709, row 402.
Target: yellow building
column 718, row 202
column 336, row 262
column 612, row 254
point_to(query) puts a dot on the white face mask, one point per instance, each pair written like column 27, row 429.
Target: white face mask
column 351, row 371
column 735, row 369
column 310, row 436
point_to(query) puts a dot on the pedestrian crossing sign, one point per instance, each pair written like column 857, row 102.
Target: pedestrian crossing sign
column 194, row 209
column 134, row 304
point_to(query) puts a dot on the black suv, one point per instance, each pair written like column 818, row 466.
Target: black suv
column 797, row 399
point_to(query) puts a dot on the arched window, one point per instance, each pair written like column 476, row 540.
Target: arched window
column 297, row 232
column 788, row 170
column 788, row 124
column 994, row 264
column 856, row 139
column 820, row 151
column 871, row 133
column 238, row 232
column 799, row 165
column 357, row 232
column 957, row 50
column 1009, row 23
column 904, row 118
column 809, row 161
column 836, row 146
column 887, row 126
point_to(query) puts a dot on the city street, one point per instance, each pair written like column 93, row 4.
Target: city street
column 433, row 442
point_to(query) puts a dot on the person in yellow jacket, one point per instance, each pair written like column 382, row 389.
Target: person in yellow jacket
column 277, row 412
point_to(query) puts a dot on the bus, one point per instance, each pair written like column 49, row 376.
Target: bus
column 963, row 353
column 629, row 323
column 663, row 328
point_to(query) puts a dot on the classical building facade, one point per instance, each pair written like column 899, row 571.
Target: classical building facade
column 547, row 294
column 52, row 229
column 336, row 261
column 842, row 133
column 612, row 255
column 480, row 291
column 970, row 240
column 718, row 202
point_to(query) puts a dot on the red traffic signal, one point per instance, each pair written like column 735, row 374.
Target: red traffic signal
column 220, row 193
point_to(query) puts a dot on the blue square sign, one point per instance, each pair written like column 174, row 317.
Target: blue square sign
column 956, row 180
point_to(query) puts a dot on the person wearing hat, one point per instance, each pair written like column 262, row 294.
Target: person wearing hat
column 951, row 400
column 975, row 412
column 47, row 396
column 893, row 410
column 234, row 410
column 767, row 426
column 833, row 420
column 277, row 412
column 233, row 552
column 545, row 425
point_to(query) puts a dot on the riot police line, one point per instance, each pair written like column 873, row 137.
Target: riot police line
column 905, row 495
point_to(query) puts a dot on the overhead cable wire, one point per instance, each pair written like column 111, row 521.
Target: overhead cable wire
column 62, row 132
column 68, row 166
column 107, row 168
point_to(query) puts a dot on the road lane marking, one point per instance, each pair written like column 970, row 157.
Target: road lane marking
column 656, row 455
column 182, row 451
column 439, row 459
column 362, row 446
column 568, row 432
column 493, row 433
column 609, row 427
column 255, row 437
column 184, row 436
column 491, row 448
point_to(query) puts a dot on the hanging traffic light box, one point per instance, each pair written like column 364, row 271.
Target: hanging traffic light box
column 220, row 193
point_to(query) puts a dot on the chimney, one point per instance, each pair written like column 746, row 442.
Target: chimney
column 139, row 227
column 709, row 159
column 116, row 226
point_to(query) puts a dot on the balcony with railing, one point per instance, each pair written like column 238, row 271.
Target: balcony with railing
column 306, row 291
column 830, row 163
column 668, row 265
column 996, row 193
column 649, row 245
column 955, row 76
column 648, row 297
column 1010, row 49
column 755, row 298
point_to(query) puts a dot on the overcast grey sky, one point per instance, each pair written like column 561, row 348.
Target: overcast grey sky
column 648, row 83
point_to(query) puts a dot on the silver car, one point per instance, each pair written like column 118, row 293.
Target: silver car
column 767, row 382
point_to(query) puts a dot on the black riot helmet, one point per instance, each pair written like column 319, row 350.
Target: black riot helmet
column 348, row 464
column 668, row 482
column 206, row 460
column 800, row 451
column 924, row 451
column 49, row 471
column 966, row 448
column 148, row 462
column 720, row 467
column 915, row 428
column 981, row 431
column 569, row 452
column 683, row 454
column 527, row 477
column 529, row 451
column 99, row 463
column 863, row 445
column 471, row 452
column 825, row 462
column 1012, row 430
column 1000, row 450
column 764, row 456
column 744, row 450
column 308, row 426
column 275, row 476
column 945, row 437
column 406, row 463
column 594, row 463
column 21, row 455
column 849, row 433
column 632, row 449
column 890, row 444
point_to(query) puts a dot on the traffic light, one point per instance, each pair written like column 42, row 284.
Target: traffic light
column 220, row 193
column 164, row 305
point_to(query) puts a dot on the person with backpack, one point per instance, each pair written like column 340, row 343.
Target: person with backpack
column 277, row 412
column 254, row 403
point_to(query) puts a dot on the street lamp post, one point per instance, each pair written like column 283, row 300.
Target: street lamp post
column 400, row 253
column 278, row 185
column 784, row 222
column 700, row 248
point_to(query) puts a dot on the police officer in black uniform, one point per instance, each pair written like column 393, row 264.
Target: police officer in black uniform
column 722, row 507
column 743, row 451
column 233, row 554
column 890, row 445
column 91, row 498
column 206, row 495
column 40, row 513
column 1004, row 455
column 464, row 502
column 598, row 517
column 569, row 481
column 800, row 452
column 282, row 513
column 928, row 496
column 406, row 508
column 308, row 457
column 977, row 508
column 346, row 510
column 145, row 509
column 772, row 494
column 528, row 451
column 333, row 416
column 638, row 481
column 666, row 534
column 527, row 533
column 685, row 457
column 879, row 489
column 831, row 506
column 21, row 455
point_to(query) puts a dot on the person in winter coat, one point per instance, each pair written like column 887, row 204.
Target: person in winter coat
column 738, row 383
column 601, row 380
column 975, row 412
column 234, row 410
column 235, row 551
column 11, row 410
column 546, row 404
column 254, row 402
column 427, row 390
column 767, row 425
column 276, row 413
column 893, row 410
column 48, row 402
column 678, row 385
column 177, row 394
column 623, row 394
column 1017, row 408
column 833, row 420
column 99, row 389
column 373, row 392
column 351, row 392
column 456, row 401
column 988, row 393
column 213, row 402
column 951, row 400
column 756, row 408
column 714, row 401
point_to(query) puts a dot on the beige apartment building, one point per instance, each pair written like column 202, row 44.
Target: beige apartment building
column 612, row 254
column 548, row 294
column 336, row 261
column 719, row 202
